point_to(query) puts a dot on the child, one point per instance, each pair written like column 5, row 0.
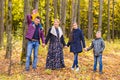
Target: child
column 76, row 43
column 34, row 15
column 98, row 47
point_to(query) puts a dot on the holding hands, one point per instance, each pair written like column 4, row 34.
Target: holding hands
column 65, row 46
column 85, row 49
column 43, row 45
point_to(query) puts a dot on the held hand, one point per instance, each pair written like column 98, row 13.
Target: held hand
column 66, row 47
column 85, row 49
column 43, row 45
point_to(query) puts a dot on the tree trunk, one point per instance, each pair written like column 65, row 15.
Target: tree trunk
column 9, row 30
column 6, row 14
column 9, row 36
column 1, row 22
column 113, row 20
column 47, row 17
column 108, row 33
column 55, row 8
column 24, row 45
column 36, row 4
column 100, row 15
column 69, row 2
column 74, row 12
column 90, row 19
column 63, row 14
column 78, row 13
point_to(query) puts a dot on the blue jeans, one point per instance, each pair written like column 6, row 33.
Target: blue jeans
column 98, row 59
column 32, row 45
column 75, row 63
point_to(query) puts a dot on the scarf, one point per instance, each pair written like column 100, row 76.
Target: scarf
column 53, row 31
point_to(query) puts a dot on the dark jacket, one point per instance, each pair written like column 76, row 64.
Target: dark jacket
column 52, row 37
column 31, row 30
column 77, row 42
column 98, row 46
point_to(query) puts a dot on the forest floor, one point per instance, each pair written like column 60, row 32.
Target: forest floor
column 111, row 66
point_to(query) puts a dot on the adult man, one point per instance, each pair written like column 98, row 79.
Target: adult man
column 33, row 35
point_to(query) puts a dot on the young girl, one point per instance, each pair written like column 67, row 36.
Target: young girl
column 76, row 43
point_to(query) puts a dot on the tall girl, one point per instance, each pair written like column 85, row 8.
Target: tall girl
column 76, row 43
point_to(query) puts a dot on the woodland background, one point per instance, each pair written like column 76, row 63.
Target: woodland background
column 91, row 15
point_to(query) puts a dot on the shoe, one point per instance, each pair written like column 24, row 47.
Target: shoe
column 77, row 69
column 100, row 72
column 72, row 69
column 94, row 71
column 27, row 69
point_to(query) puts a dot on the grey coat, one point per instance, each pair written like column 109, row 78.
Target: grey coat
column 98, row 46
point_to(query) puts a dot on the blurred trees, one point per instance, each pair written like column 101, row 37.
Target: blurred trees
column 91, row 15
column 90, row 19
column 9, row 36
column 24, row 45
column 1, row 22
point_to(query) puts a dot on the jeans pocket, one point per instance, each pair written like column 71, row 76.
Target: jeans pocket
column 37, row 43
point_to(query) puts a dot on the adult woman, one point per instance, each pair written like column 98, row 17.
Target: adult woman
column 55, row 59
column 76, row 43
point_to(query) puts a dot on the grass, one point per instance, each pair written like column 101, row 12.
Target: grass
column 111, row 66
